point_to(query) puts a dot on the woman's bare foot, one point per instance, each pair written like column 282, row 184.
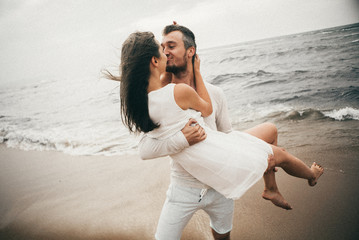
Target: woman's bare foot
column 318, row 171
column 276, row 198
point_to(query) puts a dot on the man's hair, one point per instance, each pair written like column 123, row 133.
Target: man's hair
column 189, row 39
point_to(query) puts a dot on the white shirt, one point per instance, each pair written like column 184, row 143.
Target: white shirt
column 150, row 148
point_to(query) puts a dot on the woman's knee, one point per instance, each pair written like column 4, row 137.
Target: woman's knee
column 272, row 127
column 271, row 132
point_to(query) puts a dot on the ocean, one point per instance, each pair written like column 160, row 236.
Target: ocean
column 307, row 84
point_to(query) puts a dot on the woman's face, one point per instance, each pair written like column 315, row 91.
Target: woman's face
column 162, row 60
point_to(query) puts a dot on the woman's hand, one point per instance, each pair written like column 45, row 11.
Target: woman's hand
column 197, row 63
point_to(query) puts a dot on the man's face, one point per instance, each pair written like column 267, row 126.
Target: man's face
column 175, row 51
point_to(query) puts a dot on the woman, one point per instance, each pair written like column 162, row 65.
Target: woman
column 229, row 163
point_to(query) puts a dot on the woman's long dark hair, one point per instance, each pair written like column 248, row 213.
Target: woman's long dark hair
column 136, row 55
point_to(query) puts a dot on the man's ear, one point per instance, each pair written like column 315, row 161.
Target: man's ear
column 191, row 52
column 154, row 61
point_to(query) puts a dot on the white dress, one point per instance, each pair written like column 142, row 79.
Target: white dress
column 229, row 163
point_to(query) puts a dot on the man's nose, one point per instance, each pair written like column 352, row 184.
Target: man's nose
column 165, row 50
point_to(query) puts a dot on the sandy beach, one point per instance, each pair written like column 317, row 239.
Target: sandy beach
column 70, row 167
column 50, row 195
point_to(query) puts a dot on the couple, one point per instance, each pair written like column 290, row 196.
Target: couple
column 161, row 89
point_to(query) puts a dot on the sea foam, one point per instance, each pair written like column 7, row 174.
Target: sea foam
column 342, row 114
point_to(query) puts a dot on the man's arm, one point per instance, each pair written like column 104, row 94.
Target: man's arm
column 222, row 117
column 150, row 148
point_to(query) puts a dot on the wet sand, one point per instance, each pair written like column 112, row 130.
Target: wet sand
column 50, row 195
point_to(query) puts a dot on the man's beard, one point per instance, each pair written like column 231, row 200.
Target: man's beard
column 177, row 69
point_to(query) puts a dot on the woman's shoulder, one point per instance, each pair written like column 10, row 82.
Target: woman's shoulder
column 182, row 90
column 183, row 87
column 162, row 89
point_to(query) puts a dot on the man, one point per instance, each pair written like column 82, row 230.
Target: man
column 186, row 194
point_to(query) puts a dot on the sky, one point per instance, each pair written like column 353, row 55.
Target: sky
column 64, row 39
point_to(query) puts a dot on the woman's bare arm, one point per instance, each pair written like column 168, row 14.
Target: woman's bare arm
column 186, row 97
column 200, row 87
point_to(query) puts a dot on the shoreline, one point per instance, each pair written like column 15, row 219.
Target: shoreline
column 50, row 195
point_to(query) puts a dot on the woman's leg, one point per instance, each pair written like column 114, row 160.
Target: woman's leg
column 271, row 191
column 295, row 167
column 266, row 131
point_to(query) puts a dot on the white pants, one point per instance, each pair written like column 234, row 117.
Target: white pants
column 182, row 202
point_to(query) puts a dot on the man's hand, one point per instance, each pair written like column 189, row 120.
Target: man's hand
column 193, row 132
column 271, row 164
